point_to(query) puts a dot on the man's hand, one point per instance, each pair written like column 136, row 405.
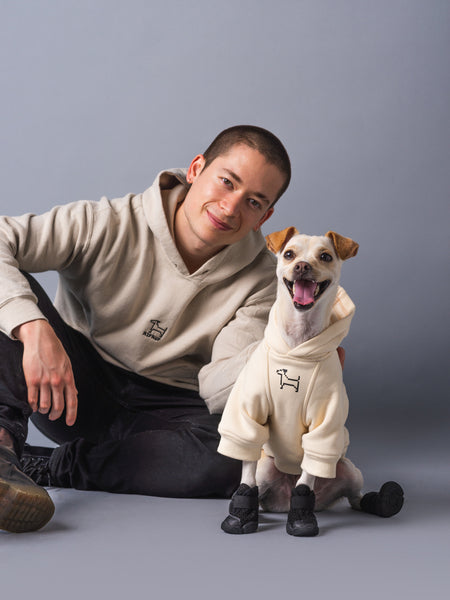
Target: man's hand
column 48, row 371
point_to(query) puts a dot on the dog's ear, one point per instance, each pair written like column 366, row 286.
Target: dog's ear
column 345, row 247
column 277, row 240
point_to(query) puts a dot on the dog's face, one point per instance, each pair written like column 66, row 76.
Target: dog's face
column 309, row 267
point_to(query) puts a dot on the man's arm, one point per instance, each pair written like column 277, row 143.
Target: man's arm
column 39, row 243
column 233, row 347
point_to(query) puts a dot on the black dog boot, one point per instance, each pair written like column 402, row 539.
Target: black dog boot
column 385, row 503
column 244, row 506
column 24, row 505
column 302, row 521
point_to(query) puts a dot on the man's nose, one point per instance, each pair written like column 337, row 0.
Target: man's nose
column 230, row 205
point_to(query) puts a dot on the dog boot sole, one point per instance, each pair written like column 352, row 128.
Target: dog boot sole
column 299, row 529
column 233, row 525
column 24, row 508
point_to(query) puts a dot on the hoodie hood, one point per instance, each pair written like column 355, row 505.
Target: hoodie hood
column 160, row 202
column 320, row 346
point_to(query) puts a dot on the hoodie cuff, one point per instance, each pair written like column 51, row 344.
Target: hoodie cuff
column 318, row 467
column 16, row 312
column 232, row 449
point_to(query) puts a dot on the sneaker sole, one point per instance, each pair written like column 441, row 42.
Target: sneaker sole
column 24, row 508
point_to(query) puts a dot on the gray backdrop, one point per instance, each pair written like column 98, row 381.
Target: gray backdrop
column 97, row 96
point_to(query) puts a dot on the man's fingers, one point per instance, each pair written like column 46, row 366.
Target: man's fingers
column 57, row 403
column 33, row 397
column 61, row 396
column 71, row 404
column 45, row 398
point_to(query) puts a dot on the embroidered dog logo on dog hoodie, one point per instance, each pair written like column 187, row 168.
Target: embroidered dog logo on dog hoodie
column 285, row 380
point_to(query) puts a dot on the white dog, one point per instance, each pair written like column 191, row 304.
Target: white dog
column 290, row 399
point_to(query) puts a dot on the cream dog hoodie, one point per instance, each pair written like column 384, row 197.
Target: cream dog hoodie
column 292, row 402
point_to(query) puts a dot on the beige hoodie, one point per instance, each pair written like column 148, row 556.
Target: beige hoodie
column 293, row 401
column 124, row 285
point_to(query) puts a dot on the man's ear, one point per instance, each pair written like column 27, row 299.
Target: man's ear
column 345, row 247
column 195, row 168
column 277, row 241
column 266, row 216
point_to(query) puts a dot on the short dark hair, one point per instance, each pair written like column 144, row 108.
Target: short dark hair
column 262, row 140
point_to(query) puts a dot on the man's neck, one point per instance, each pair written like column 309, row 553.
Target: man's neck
column 193, row 252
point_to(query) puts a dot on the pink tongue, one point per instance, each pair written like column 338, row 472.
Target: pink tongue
column 304, row 291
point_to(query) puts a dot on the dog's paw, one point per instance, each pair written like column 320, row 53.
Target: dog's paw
column 385, row 503
column 244, row 506
column 301, row 521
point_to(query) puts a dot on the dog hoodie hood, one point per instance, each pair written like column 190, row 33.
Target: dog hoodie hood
column 320, row 346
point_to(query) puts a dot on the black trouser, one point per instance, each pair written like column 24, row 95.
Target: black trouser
column 132, row 435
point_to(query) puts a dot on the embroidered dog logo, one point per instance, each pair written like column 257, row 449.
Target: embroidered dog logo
column 155, row 331
column 285, row 380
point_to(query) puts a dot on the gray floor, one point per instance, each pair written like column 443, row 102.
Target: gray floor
column 124, row 546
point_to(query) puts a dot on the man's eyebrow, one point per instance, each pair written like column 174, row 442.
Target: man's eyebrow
column 235, row 176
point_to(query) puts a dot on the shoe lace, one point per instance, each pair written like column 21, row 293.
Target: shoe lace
column 36, row 468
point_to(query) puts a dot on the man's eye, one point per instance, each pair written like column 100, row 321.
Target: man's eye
column 255, row 203
column 226, row 181
column 289, row 255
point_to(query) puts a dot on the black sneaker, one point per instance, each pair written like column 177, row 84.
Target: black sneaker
column 24, row 505
column 35, row 464
column 302, row 521
column 36, row 468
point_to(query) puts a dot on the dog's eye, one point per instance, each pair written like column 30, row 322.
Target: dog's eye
column 326, row 257
column 289, row 255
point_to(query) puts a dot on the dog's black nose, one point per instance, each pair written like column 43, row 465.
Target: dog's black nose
column 302, row 267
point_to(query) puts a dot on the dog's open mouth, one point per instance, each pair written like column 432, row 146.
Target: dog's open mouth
column 305, row 292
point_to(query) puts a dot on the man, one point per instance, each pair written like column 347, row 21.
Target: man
column 161, row 298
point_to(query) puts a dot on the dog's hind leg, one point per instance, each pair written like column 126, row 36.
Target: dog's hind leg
column 348, row 483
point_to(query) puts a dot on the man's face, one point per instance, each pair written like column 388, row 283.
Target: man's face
column 230, row 197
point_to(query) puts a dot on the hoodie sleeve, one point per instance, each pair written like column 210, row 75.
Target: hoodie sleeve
column 244, row 425
column 233, row 347
column 326, row 410
column 37, row 243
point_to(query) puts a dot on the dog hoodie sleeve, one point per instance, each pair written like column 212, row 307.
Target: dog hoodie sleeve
column 243, row 428
column 325, row 413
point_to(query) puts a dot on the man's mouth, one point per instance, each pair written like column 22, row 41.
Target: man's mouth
column 306, row 292
column 218, row 223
